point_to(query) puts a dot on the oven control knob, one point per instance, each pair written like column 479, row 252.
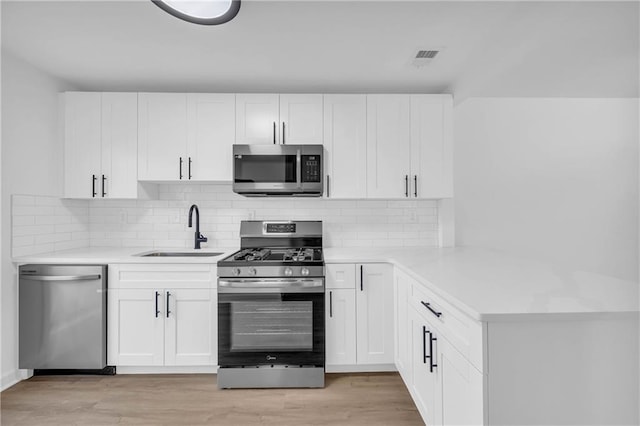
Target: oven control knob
column 288, row 272
column 236, row 271
column 305, row 271
column 252, row 272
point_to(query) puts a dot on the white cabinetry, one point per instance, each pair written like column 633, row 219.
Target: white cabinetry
column 185, row 136
column 345, row 143
column 388, row 146
column 340, row 315
column 162, row 315
column 409, row 146
column 439, row 355
column 359, row 316
column 100, row 143
column 403, row 339
column 278, row 119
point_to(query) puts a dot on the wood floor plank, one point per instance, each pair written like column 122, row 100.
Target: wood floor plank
column 194, row 399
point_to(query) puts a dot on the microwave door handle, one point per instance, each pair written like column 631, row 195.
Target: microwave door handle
column 299, row 168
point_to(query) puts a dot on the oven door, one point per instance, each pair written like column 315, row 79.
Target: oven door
column 271, row 322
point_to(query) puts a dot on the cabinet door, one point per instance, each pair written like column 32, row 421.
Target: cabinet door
column 345, row 142
column 162, row 136
column 402, row 342
column 191, row 327
column 82, row 141
column 425, row 381
column 431, row 146
column 257, row 118
column 462, row 402
column 374, row 301
column 136, row 330
column 119, row 177
column 340, row 327
column 211, row 134
column 388, row 146
column 301, row 119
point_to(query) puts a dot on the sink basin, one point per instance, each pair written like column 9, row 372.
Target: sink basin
column 181, row 254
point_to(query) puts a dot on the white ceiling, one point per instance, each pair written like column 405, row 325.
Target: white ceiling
column 546, row 48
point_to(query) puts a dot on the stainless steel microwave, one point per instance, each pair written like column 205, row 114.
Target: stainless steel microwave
column 278, row 170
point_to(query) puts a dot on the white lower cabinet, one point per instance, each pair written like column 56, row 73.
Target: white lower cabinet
column 359, row 315
column 445, row 385
column 402, row 287
column 340, row 342
column 162, row 315
column 426, row 378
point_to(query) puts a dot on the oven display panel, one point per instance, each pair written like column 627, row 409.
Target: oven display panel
column 281, row 228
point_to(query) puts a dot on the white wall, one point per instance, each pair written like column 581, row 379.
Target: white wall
column 555, row 179
column 31, row 164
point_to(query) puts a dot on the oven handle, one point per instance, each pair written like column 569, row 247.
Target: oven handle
column 313, row 285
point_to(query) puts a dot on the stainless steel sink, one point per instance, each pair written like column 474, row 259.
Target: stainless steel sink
column 181, row 254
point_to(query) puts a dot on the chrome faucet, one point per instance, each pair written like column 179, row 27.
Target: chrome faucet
column 199, row 238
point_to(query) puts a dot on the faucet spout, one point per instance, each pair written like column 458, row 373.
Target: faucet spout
column 198, row 237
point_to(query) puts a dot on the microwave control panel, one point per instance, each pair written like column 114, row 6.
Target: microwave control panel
column 311, row 168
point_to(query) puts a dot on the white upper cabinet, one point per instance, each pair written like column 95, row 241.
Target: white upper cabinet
column 257, row 118
column 119, row 145
column 162, row 136
column 388, row 146
column 100, row 140
column 301, row 119
column 278, row 119
column 211, row 133
column 185, row 136
column 345, row 143
column 431, row 146
column 409, row 146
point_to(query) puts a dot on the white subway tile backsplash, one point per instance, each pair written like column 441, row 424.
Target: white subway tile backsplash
column 42, row 224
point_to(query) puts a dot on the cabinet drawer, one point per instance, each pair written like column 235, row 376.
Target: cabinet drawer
column 340, row 275
column 162, row 276
column 461, row 331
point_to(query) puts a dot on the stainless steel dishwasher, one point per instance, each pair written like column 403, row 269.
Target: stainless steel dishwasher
column 63, row 317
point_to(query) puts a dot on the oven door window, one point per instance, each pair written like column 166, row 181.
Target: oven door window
column 271, row 325
column 265, row 169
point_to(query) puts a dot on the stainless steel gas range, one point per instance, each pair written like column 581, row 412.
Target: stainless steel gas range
column 271, row 330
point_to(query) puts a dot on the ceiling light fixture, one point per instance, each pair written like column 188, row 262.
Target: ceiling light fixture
column 204, row 12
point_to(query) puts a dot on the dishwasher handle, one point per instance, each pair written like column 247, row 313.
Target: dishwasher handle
column 61, row 277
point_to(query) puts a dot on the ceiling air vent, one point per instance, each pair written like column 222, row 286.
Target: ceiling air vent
column 429, row 54
column 424, row 57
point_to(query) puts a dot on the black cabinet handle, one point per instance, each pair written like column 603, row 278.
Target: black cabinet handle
column 283, row 142
column 180, row 168
column 157, row 310
column 433, row 311
column 406, row 186
column 189, row 168
column 330, row 304
column 432, row 339
column 415, row 186
column 274, row 132
column 93, row 185
column 361, row 278
column 104, row 179
column 424, row 344
column 168, row 311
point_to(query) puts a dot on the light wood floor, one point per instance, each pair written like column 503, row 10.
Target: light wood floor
column 347, row 399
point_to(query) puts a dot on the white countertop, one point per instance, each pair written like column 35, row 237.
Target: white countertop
column 487, row 285
column 106, row 255
column 490, row 285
